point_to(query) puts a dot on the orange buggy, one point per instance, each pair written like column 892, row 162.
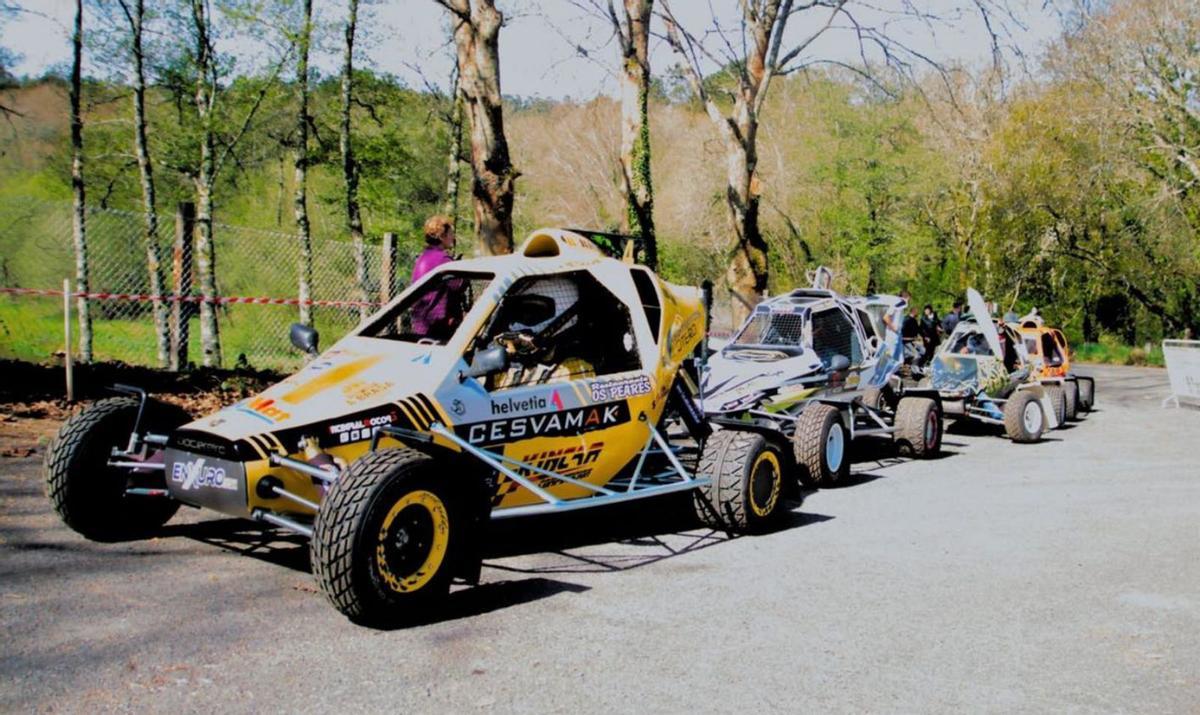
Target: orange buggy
column 1047, row 348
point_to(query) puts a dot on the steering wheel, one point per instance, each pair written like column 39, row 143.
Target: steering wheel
column 517, row 342
column 526, row 342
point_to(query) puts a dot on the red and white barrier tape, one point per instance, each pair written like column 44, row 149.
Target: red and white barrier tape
column 191, row 298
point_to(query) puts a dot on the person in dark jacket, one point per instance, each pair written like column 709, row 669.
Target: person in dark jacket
column 951, row 320
column 928, row 331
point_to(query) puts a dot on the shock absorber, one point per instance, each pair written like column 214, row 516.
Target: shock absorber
column 319, row 458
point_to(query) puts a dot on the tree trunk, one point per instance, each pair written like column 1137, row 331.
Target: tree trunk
column 453, row 160
column 635, row 126
column 764, row 22
column 748, row 265
column 79, row 206
column 477, row 43
column 300, row 199
column 146, row 171
column 350, row 167
column 210, row 338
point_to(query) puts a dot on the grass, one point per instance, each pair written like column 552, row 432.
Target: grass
column 1109, row 352
column 31, row 329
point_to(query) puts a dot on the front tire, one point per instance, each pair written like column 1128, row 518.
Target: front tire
column 821, row 444
column 1058, row 398
column 918, row 427
column 747, row 487
column 387, row 538
column 1024, row 420
column 88, row 494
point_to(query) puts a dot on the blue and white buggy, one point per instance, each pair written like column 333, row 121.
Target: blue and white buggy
column 983, row 372
column 812, row 370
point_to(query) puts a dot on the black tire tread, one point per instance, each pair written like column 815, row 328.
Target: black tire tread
column 1071, row 390
column 808, row 446
column 1058, row 397
column 81, row 511
column 911, row 414
column 338, row 522
column 719, row 504
column 1014, row 424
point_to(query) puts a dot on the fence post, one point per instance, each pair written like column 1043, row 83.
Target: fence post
column 67, row 340
column 387, row 277
column 181, row 273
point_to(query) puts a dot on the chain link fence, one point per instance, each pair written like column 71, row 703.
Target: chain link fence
column 257, row 275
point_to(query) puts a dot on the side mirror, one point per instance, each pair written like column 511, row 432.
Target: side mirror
column 304, row 337
column 838, row 363
column 486, row 362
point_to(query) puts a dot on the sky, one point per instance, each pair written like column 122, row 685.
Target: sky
column 539, row 45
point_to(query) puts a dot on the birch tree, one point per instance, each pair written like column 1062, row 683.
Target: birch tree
column 454, row 119
column 757, row 48
column 477, row 45
column 78, row 194
column 300, row 164
column 350, row 168
column 135, row 14
column 219, row 131
column 632, row 28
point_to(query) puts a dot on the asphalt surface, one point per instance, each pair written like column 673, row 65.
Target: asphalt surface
column 1063, row 576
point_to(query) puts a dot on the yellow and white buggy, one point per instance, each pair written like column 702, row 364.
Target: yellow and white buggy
column 554, row 379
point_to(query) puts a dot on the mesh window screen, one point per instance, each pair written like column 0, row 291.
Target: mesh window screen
column 833, row 334
column 773, row 329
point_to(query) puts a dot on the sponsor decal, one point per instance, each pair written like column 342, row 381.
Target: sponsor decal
column 607, row 390
column 263, row 408
column 330, row 377
column 532, row 403
column 571, row 462
column 359, row 429
column 576, row 420
column 457, row 407
column 198, row 474
column 360, row 390
column 680, row 340
column 201, row 445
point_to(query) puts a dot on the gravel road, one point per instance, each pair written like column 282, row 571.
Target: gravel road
column 1001, row 577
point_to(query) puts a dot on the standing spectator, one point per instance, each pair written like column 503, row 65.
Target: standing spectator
column 438, row 311
column 929, row 334
column 439, row 242
column 952, row 318
column 894, row 320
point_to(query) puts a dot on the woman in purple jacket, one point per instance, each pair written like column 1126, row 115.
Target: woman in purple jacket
column 437, row 313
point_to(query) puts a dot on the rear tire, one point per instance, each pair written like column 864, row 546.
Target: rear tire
column 1058, row 398
column 387, row 538
column 87, row 493
column 880, row 399
column 1071, row 388
column 821, row 444
column 747, row 488
column 1087, row 395
column 918, row 427
column 1023, row 418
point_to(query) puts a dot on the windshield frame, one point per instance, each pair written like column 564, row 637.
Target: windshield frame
column 413, row 292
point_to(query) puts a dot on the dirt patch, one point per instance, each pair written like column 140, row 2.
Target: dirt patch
column 33, row 403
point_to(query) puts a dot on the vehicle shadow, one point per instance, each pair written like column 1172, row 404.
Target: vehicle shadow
column 603, row 540
column 629, row 536
column 247, row 538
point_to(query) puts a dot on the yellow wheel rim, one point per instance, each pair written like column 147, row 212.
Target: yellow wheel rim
column 425, row 511
column 763, row 496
